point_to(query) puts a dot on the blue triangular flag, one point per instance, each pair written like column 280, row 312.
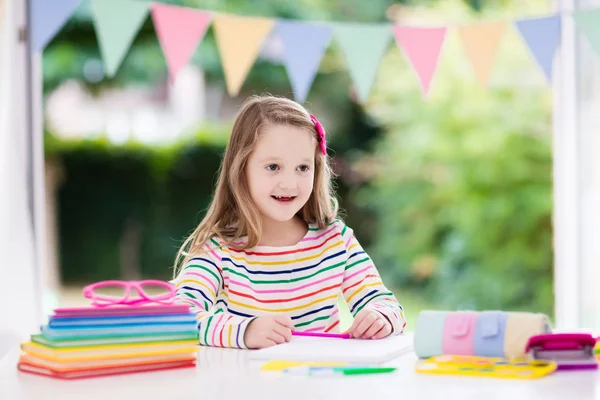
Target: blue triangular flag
column 542, row 36
column 303, row 47
column 47, row 17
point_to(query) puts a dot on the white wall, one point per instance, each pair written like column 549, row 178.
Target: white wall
column 576, row 176
column 19, row 299
column 588, row 172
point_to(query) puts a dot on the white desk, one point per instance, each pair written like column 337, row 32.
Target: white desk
column 224, row 374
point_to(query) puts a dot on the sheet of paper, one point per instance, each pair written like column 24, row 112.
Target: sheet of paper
column 354, row 351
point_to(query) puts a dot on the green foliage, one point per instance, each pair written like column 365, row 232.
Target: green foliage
column 462, row 182
column 160, row 191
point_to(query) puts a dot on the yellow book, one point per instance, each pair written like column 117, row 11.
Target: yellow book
column 117, row 351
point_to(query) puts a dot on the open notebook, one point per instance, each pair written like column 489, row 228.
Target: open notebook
column 355, row 351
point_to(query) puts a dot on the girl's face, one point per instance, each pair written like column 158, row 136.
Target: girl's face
column 280, row 171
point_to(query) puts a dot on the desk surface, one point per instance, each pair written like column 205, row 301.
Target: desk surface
column 228, row 374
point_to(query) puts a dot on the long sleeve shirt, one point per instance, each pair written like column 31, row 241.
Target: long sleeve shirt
column 226, row 288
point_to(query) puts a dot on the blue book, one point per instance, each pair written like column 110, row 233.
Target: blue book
column 118, row 330
column 129, row 320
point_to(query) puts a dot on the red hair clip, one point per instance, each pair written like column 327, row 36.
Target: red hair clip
column 320, row 134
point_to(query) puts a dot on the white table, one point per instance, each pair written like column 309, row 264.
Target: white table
column 224, row 374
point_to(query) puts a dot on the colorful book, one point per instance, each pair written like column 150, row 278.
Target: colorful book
column 97, row 372
column 121, row 351
column 83, row 312
column 83, row 342
column 108, row 363
column 69, row 322
column 117, row 330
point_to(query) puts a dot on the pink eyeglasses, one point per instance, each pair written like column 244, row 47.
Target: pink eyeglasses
column 143, row 288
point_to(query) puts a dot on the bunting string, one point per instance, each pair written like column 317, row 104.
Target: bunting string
column 180, row 30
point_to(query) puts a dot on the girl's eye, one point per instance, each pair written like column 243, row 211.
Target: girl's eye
column 303, row 168
column 272, row 167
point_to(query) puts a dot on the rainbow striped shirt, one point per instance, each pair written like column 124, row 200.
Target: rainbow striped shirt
column 227, row 288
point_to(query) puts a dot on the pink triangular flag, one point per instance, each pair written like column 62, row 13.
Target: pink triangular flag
column 422, row 47
column 179, row 30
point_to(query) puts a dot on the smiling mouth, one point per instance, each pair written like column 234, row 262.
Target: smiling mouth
column 284, row 199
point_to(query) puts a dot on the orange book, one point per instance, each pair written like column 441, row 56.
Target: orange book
column 91, row 372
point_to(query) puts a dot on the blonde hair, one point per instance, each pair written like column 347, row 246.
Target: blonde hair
column 232, row 214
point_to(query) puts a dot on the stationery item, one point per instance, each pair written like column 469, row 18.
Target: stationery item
column 568, row 350
column 117, row 330
column 520, row 326
column 116, row 334
column 121, row 320
column 483, row 333
column 280, row 365
column 355, row 351
column 429, row 331
column 459, row 330
column 102, row 363
column 85, row 312
column 489, row 334
column 328, row 371
column 485, row 367
column 166, row 296
column 109, row 352
column 83, row 342
column 97, row 372
column 322, row 335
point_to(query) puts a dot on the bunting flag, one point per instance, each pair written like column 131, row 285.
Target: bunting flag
column 588, row 23
column 303, row 47
column 116, row 23
column 180, row 30
column 47, row 18
column 481, row 42
column 542, row 36
column 363, row 46
column 422, row 47
column 239, row 40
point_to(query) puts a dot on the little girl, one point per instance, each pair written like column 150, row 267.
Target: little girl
column 270, row 256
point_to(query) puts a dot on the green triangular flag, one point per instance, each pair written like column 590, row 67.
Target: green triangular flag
column 363, row 46
column 116, row 23
column 588, row 22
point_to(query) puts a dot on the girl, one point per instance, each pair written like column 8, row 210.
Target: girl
column 270, row 256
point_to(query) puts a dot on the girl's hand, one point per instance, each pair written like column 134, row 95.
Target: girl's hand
column 268, row 331
column 370, row 324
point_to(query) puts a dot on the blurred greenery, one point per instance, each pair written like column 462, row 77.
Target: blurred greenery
column 450, row 195
column 461, row 182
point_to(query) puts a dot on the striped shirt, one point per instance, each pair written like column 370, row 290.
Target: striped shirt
column 226, row 288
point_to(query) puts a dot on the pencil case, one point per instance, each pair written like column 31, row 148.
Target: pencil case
column 568, row 350
column 476, row 333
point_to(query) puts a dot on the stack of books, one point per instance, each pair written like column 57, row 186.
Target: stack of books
column 97, row 341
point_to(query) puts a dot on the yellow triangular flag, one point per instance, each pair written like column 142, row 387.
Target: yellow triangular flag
column 481, row 41
column 239, row 40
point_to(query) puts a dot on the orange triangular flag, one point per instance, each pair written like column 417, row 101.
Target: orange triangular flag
column 239, row 40
column 481, row 41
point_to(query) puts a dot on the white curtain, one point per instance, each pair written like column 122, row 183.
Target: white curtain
column 587, row 130
column 19, row 293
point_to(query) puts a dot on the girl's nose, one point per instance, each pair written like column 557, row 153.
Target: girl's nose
column 287, row 184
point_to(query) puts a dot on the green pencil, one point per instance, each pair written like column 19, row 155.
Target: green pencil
column 338, row 370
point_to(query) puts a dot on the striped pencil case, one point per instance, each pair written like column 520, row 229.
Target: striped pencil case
column 477, row 333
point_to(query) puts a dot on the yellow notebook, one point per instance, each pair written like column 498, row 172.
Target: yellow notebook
column 117, row 351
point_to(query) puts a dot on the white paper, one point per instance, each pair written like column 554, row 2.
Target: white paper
column 355, row 351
